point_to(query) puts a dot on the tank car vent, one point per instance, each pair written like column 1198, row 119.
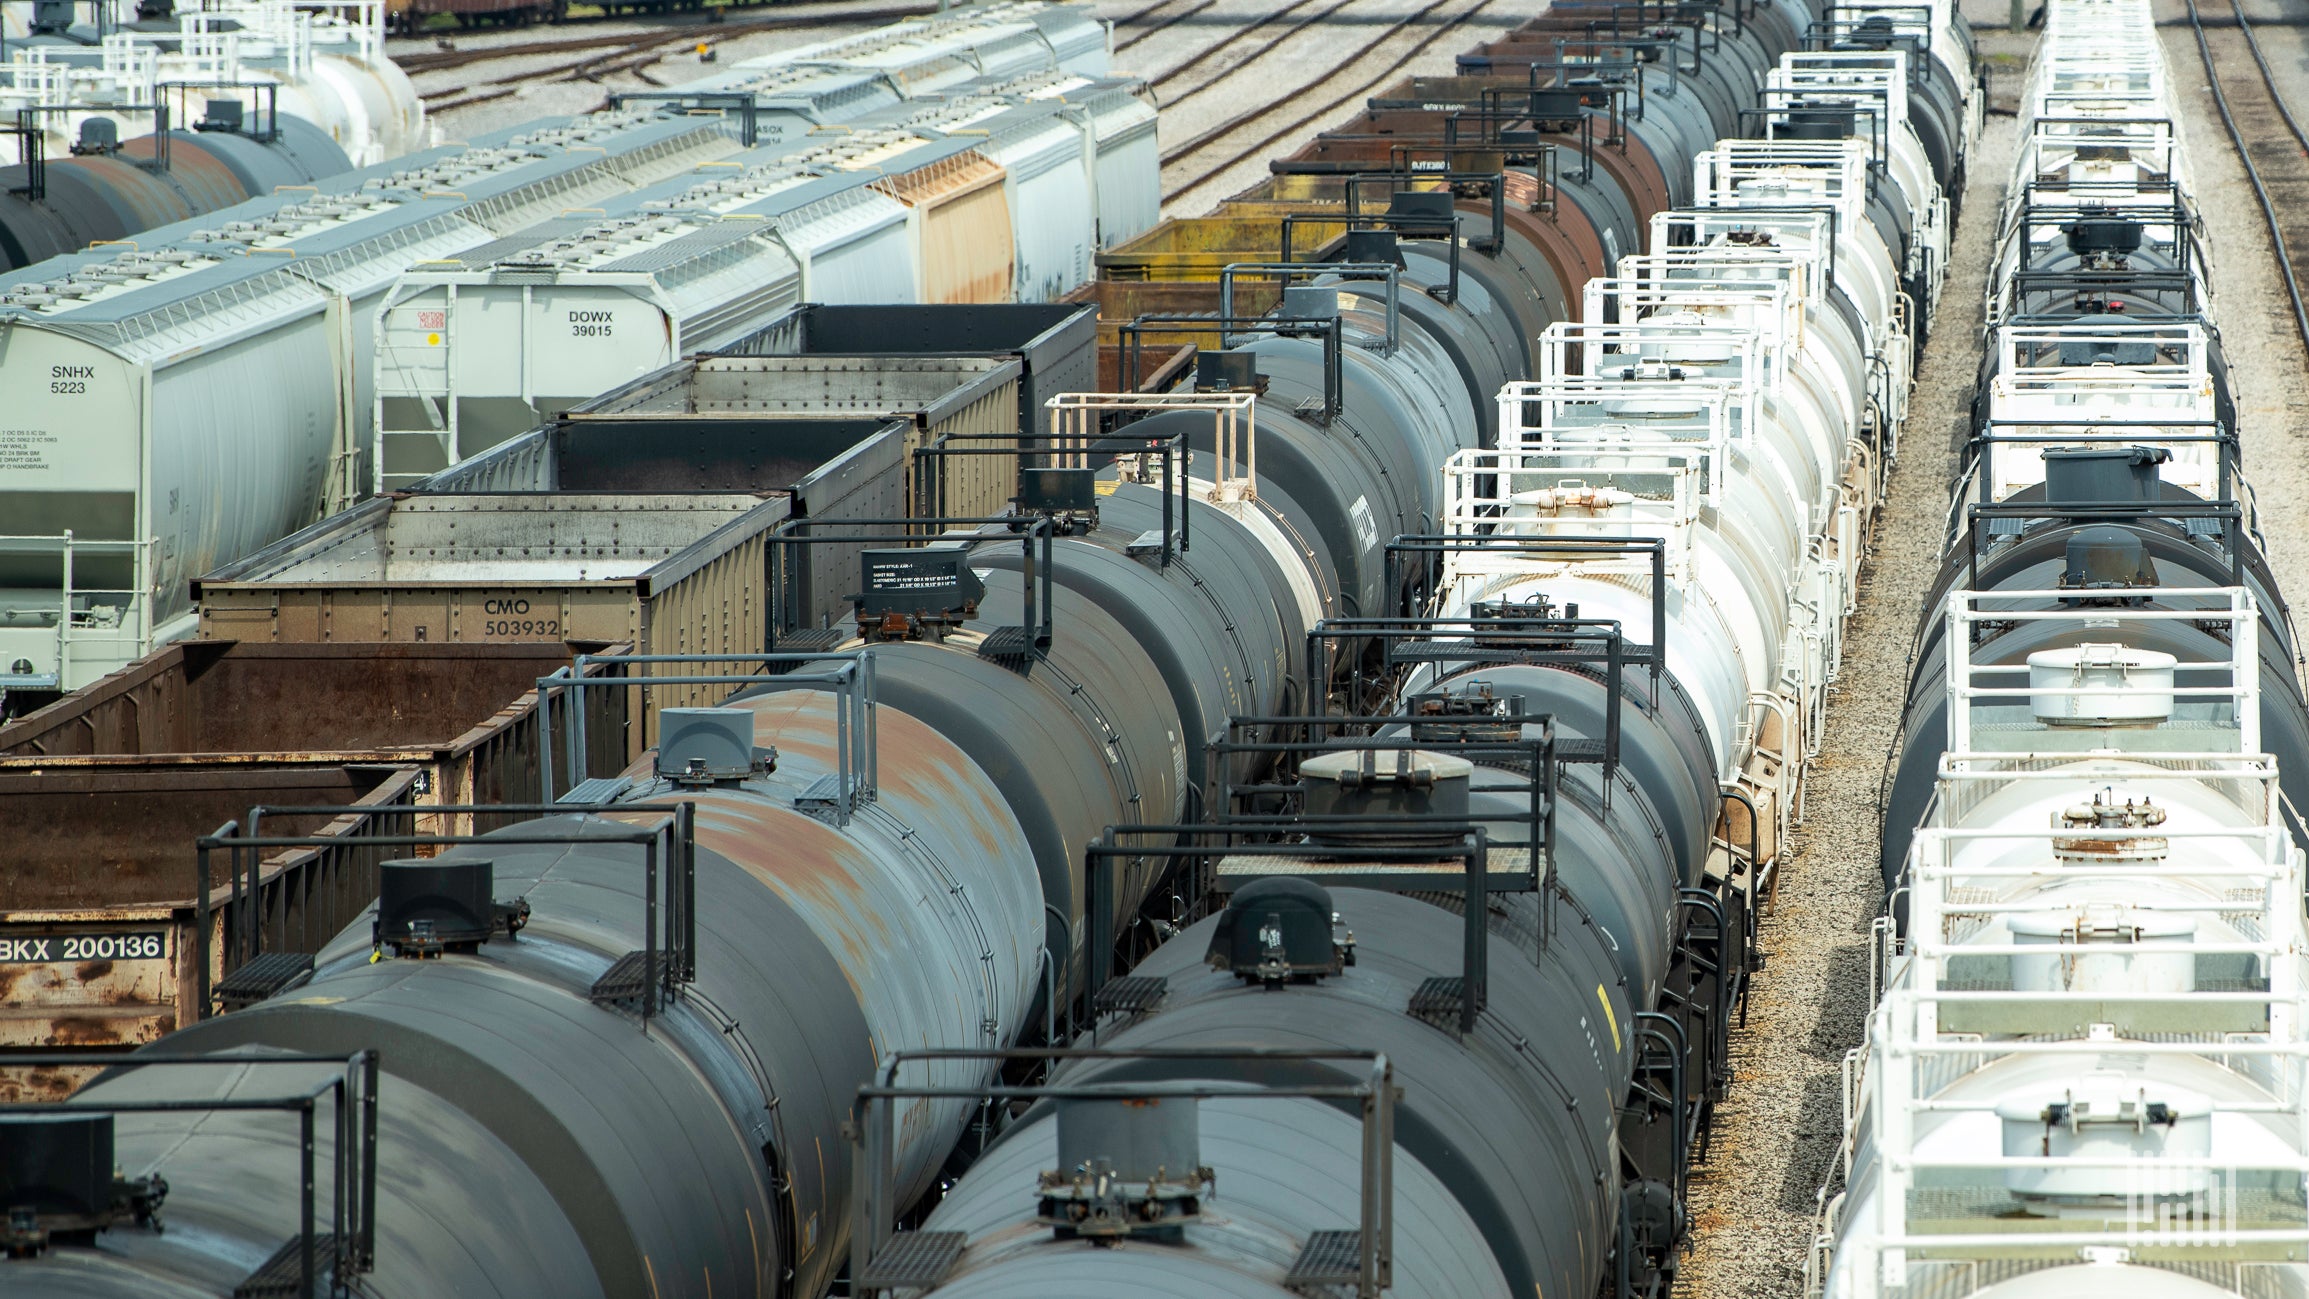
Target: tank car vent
column 2106, row 558
column 1522, row 618
column 58, row 1185
column 425, row 908
column 1278, row 930
column 97, row 135
column 221, row 115
column 1872, row 33
column 1426, row 214
column 1227, row 371
column 1472, row 716
column 2116, row 1120
column 1374, row 247
column 2103, row 475
column 1364, row 785
column 2088, row 824
column 2104, row 242
column 2103, row 685
column 1064, row 491
column 2104, row 351
column 914, row 593
column 1557, row 108
column 1818, row 124
column 1126, row 1168
column 709, row 746
column 1309, row 302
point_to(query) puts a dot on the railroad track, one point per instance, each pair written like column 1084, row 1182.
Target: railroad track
column 600, row 56
column 1186, row 9
column 1230, row 41
column 2268, row 140
column 1276, row 119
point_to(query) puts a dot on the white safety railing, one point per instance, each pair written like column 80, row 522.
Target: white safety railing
column 88, row 630
column 2116, row 690
column 1076, row 419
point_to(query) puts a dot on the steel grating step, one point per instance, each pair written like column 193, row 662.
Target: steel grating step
column 1506, row 870
column 596, row 789
column 282, row 1275
column 626, row 979
column 1009, row 646
column 1133, row 995
column 808, row 640
column 1438, row 997
column 914, row 1260
column 1329, row 1258
column 263, row 975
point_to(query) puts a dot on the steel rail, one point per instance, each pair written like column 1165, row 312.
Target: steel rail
column 1240, row 120
column 2253, row 174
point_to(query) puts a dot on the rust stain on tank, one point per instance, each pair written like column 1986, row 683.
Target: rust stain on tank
column 9, row 974
column 811, row 862
column 91, row 971
column 912, row 760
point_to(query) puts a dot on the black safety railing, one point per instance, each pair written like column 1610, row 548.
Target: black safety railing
column 1286, row 272
column 162, row 115
column 1469, row 846
column 876, row 1250
column 344, row 866
column 1394, row 225
column 2083, row 286
column 324, row 1264
column 857, row 755
column 1035, row 533
column 1329, row 329
column 668, row 850
column 1047, row 462
column 2229, row 514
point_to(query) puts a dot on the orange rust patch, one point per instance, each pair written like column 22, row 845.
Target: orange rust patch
column 81, row 1030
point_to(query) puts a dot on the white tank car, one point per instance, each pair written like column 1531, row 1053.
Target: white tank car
column 2086, row 1075
column 1728, row 394
column 323, row 62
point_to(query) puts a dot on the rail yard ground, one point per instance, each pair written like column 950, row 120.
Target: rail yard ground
column 1755, row 1199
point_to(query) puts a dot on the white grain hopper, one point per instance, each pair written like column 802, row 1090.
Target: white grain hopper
column 178, row 406
column 979, row 198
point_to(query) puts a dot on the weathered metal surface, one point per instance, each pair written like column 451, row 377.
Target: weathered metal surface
column 963, row 227
column 1520, row 1138
column 670, row 574
column 99, row 938
column 928, row 899
column 223, row 697
column 960, row 399
column 1052, row 341
column 106, row 791
column 216, row 405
